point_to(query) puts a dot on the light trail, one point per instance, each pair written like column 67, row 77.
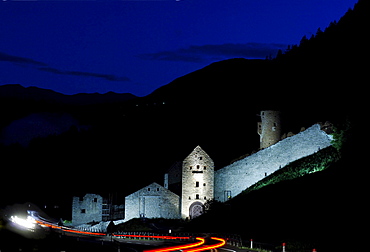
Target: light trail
column 179, row 247
column 208, row 247
column 190, row 247
column 70, row 230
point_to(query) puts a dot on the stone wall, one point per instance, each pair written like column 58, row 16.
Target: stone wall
column 87, row 209
column 233, row 179
column 152, row 201
column 197, row 182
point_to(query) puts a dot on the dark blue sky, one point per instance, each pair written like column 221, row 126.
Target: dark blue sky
column 138, row 46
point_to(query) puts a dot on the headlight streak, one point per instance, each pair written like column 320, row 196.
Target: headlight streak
column 29, row 223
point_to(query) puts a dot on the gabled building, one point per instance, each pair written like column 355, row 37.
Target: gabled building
column 152, row 201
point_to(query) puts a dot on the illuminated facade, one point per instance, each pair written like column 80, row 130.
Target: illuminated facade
column 152, row 201
column 197, row 183
column 88, row 208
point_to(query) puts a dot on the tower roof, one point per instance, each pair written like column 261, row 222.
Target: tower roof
column 198, row 151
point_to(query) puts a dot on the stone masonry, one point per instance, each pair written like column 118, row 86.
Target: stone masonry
column 87, row 209
column 152, row 201
column 233, row 179
column 197, row 183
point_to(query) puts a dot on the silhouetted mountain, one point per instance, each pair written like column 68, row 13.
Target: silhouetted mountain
column 17, row 91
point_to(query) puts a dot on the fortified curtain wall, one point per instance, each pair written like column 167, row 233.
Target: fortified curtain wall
column 233, row 179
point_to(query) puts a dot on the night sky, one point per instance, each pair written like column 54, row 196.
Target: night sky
column 137, row 46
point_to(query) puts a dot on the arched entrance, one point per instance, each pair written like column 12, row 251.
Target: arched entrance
column 195, row 209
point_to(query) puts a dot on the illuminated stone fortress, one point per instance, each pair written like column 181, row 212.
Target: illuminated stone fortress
column 188, row 185
column 197, row 183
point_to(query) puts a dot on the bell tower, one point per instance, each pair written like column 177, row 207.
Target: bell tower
column 269, row 128
column 197, row 183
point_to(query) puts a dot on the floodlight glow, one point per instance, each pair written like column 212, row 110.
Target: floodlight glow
column 28, row 223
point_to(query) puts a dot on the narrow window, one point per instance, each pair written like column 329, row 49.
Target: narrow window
column 157, row 189
column 149, row 189
column 197, row 166
column 95, row 199
column 191, row 167
column 189, row 198
column 197, row 184
column 197, row 196
column 200, row 158
column 205, row 167
column 205, row 197
column 83, row 210
column 204, row 184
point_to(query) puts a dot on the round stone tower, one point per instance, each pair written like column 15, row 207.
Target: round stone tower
column 269, row 128
column 197, row 183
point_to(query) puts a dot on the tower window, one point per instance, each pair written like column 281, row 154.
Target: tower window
column 200, row 158
column 149, row 189
column 197, row 184
column 83, row 210
column 197, row 196
column 205, row 167
column 204, row 184
column 158, row 189
column 191, row 167
column 205, row 197
column 198, row 166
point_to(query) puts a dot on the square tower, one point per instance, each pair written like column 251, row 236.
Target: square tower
column 197, row 183
column 269, row 128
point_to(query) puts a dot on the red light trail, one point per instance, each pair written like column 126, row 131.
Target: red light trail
column 180, row 247
column 208, row 247
column 190, row 247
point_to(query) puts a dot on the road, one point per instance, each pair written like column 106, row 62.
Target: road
column 127, row 242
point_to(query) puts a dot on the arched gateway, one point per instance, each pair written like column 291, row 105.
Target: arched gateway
column 195, row 209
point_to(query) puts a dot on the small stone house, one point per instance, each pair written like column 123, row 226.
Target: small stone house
column 152, row 201
column 87, row 209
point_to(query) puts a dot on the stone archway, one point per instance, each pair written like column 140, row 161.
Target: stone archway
column 196, row 209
